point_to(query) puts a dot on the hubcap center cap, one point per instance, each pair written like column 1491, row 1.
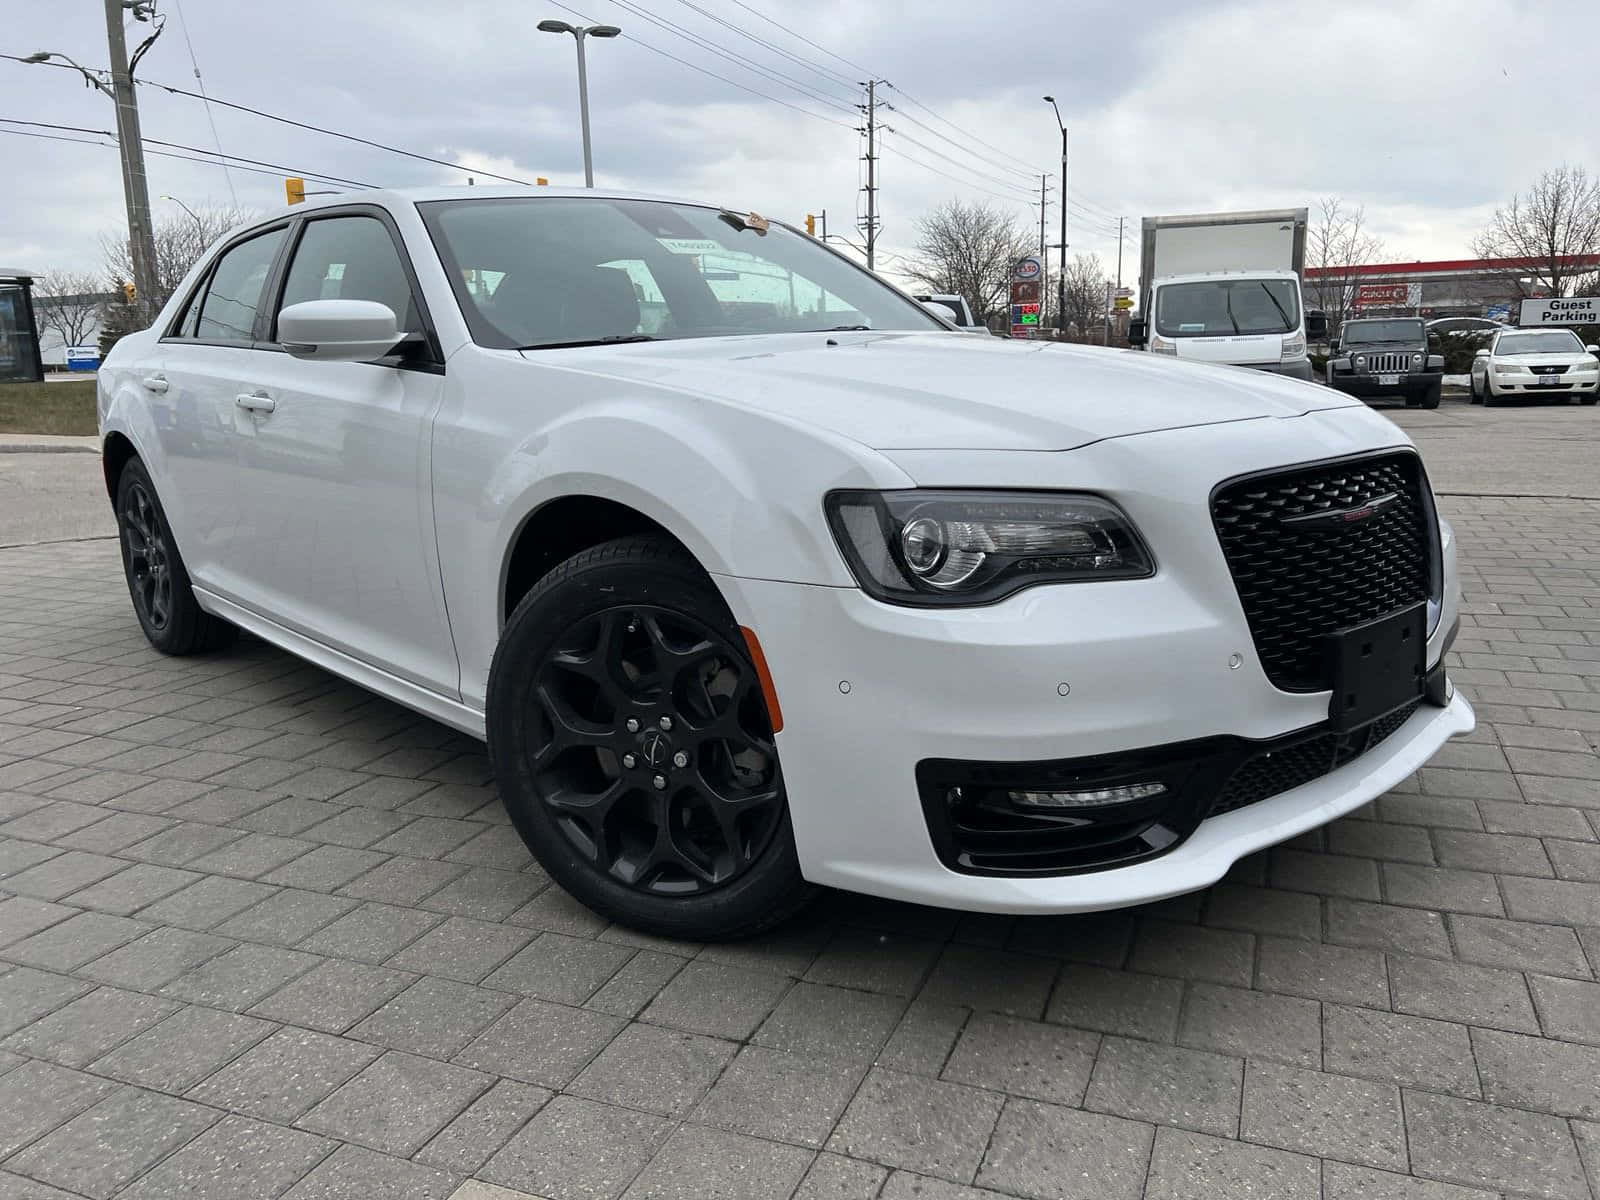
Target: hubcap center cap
column 656, row 748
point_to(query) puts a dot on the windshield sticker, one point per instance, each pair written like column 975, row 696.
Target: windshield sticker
column 1192, row 327
column 691, row 245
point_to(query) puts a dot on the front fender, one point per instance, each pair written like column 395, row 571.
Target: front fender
column 741, row 489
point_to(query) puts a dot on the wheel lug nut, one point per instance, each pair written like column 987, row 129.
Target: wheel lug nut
column 629, row 761
column 632, row 724
column 666, row 722
column 680, row 759
column 660, row 782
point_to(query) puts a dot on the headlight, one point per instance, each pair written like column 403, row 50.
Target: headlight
column 1293, row 348
column 1416, row 360
column 1161, row 345
column 1506, row 369
column 1361, row 362
column 925, row 547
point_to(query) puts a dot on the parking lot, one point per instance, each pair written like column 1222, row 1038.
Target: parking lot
column 265, row 935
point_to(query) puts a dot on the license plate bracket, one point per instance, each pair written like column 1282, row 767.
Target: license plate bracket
column 1388, row 380
column 1377, row 666
column 1547, row 380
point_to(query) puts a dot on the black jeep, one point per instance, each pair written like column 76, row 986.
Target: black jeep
column 1386, row 356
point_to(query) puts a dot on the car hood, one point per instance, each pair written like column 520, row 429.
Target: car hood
column 905, row 391
column 1382, row 347
column 1565, row 358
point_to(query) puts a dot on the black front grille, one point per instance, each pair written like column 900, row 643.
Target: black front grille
column 1299, row 583
column 1269, row 772
column 1551, row 370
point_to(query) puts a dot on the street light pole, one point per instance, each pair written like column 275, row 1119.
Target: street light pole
column 199, row 226
column 1061, row 274
column 579, row 32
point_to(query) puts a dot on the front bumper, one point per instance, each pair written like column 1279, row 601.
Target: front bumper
column 1299, row 368
column 1366, row 384
column 869, row 691
column 1517, row 385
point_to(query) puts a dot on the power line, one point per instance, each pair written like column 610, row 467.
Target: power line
column 905, row 116
column 954, row 179
column 969, row 136
column 923, row 146
column 318, row 175
column 210, row 162
column 201, row 84
column 825, row 72
column 856, row 67
column 733, row 56
column 696, row 67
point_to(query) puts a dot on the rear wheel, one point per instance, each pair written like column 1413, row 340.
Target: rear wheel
column 158, row 582
column 633, row 748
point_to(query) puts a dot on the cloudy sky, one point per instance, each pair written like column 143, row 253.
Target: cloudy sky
column 1428, row 114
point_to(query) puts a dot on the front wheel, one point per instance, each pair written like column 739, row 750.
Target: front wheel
column 632, row 745
column 1587, row 401
column 1431, row 397
column 158, row 582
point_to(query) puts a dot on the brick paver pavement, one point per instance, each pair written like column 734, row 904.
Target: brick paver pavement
column 265, row 935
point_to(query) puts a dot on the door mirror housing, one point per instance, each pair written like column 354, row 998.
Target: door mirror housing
column 1333, row 345
column 1481, row 352
column 1593, row 349
column 1316, row 325
column 941, row 312
column 1137, row 331
column 339, row 330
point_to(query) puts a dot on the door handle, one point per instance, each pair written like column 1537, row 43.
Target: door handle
column 255, row 402
column 154, row 383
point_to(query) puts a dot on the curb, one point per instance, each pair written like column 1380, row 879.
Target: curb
column 43, row 448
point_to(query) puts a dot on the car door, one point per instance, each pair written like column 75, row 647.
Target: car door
column 190, row 386
column 335, row 535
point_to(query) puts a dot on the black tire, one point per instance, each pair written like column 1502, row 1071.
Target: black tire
column 1472, row 386
column 679, row 825
column 1431, row 397
column 1490, row 400
column 1588, row 401
column 158, row 582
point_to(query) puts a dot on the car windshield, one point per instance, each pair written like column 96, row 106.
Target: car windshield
column 1382, row 331
column 545, row 272
column 1549, row 341
column 1227, row 306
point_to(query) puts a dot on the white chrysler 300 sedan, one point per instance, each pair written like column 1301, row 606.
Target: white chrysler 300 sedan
column 755, row 577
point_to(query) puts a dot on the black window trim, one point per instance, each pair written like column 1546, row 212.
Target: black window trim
column 203, row 284
column 430, row 360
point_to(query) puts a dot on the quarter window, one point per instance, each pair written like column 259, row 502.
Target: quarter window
column 351, row 258
column 233, row 297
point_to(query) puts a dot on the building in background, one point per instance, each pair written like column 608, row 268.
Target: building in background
column 19, row 333
column 1464, row 287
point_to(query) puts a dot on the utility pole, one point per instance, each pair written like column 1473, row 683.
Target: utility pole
column 1119, row 254
column 135, row 189
column 870, row 228
column 1044, row 251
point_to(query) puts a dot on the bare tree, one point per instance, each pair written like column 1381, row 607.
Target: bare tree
column 180, row 240
column 1338, row 244
column 68, row 304
column 969, row 250
column 1086, row 284
column 1545, row 227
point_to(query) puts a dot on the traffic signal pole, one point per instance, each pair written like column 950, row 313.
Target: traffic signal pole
column 135, row 189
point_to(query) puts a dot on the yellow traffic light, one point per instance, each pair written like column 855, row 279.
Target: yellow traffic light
column 294, row 190
column 128, row 293
column 811, row 224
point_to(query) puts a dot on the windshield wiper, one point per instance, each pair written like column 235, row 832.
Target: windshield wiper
column 1281, row 312
column 615, row 339
column 842, row 329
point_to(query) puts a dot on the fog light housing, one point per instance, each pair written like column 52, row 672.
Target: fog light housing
column 1087, row 797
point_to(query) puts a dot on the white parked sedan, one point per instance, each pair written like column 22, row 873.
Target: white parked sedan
column 755, row 577
column 1542, row 361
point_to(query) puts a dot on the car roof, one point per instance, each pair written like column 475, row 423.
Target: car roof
column 1203, row 275
column 405, row 197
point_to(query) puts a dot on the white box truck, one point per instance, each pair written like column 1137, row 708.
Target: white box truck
column 1225, row 288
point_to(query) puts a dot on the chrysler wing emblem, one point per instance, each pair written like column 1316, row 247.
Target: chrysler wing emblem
column 1342, row 517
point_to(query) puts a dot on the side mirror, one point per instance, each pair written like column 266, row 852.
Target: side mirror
column 1593, row 349
column 1137, row 331
column 1316, row 325
column 1333, row 345
column 939, row 311
column 1481, row 352
column 338, row 330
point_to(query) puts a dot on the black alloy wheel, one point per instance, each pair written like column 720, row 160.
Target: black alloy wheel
column 650, row 744
column 158, row 581
column 632, row 744
column 149, row 557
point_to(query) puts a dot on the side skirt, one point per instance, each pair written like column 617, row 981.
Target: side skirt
column 430, row 704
